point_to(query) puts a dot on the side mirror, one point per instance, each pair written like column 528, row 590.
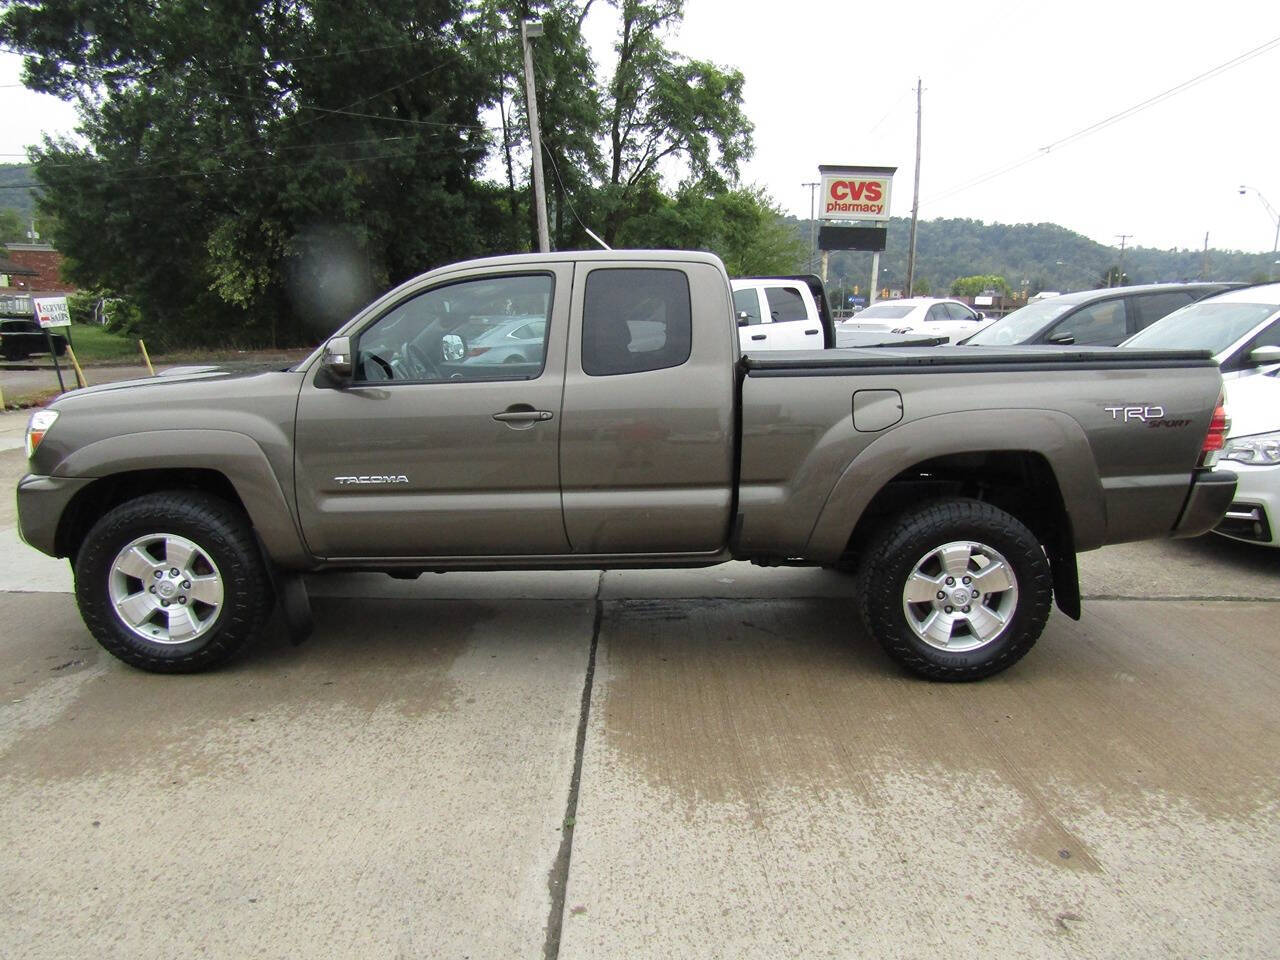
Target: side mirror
column 336, row 360
column 979, row 315
column 1062, row 339
column 744, row 318
column 452, row 347
column 1261, row 355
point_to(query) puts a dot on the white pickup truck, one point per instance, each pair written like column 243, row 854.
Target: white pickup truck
column 781, row 313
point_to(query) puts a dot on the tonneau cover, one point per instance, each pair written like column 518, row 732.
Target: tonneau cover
column 970, row 358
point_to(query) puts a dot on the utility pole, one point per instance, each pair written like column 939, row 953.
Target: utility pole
column 1204, row 262
column 1120, row 279
column 1271, row 212
column 915, row 201
column 813, row 225
column 528, row 30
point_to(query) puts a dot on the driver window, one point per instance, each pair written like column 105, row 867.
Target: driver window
column 489, row 328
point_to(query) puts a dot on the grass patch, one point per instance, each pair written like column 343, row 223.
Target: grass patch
column 95, row 344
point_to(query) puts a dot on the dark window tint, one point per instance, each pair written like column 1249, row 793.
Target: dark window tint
column 937, row 312
column 748, row 302
column 956, row 312
column 1099, row 324
column 785, row 304
column 635, row 320
column 1151, row 307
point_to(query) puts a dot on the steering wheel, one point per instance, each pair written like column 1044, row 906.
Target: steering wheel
column 370, row 362
column 424, row 367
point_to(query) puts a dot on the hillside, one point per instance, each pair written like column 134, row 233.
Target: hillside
column 20, row 199
column 1043, row 256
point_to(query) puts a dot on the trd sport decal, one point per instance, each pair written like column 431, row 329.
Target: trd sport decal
column 1150, row 414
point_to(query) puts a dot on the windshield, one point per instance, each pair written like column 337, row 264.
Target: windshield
column 884, row 311
column 1021, row 325
column 1210, row 325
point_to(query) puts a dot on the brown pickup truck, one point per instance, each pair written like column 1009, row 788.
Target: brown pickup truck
column 594, row 410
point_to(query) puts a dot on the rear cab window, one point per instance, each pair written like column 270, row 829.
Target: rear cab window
column 786, row 305
column 635, row 320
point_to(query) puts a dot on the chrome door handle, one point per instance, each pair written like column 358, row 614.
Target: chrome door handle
column 523, row 415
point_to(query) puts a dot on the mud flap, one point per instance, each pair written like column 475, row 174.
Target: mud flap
column 295, row 604
column 1066, row 582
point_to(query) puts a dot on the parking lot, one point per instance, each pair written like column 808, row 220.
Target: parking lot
column 713, row 763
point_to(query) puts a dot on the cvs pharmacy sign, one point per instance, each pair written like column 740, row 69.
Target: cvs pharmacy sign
column 852, row 195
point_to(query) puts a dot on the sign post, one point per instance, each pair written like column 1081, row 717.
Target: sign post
column 52, row 312
column 850, row 195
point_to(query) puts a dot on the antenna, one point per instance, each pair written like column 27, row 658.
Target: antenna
column 592, row 235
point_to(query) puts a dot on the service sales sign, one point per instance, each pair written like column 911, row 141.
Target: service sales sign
column 52, row 312
column 853, row 196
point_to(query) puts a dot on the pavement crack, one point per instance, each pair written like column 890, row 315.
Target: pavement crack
column 558, row 877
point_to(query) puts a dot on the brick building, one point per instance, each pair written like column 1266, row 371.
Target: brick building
column 45, row 263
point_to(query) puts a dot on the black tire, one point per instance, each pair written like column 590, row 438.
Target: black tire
column 223, row 534
column 908, row 540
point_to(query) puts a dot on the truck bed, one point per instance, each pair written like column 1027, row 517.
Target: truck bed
column 1119, row 435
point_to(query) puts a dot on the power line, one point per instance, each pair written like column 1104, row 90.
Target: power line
column 1113, row 119
column 224, row 169
column 277, row 61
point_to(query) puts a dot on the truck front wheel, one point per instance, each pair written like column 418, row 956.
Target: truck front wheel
column 956, row 589
column 172, row 582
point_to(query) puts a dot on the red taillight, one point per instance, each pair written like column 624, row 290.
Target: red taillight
column 1216, row 438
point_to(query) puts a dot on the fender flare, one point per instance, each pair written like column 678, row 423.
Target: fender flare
column 1050, row 434
column 235, row 456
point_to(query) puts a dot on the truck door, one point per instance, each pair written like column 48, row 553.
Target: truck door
column 646, row 449
column 446, row 441
column 793, row 318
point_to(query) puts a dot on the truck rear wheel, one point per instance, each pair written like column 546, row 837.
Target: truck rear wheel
column 172, row 582
column 956, row 589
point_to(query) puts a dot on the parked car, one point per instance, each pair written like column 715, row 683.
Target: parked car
column 1240, row 327
column 1252, row 453
column 781, row 313
column 505, row 340
column 22, row 338
column 1096, row 318
column 921, row 316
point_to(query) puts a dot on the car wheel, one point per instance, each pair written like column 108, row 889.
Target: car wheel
column 172, row 582
column 956, row 589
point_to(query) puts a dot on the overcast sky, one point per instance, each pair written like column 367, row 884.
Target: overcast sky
column 830, row 81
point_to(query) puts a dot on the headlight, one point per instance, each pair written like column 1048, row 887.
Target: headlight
column 37, row 427
column 1261, row 448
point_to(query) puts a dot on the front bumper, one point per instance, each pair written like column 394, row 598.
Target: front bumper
column 1211, row 494
column 42, row 502
column 1254, row 514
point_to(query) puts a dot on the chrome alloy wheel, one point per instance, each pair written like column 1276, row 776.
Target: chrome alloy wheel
column 165, row 589
column 960, row 596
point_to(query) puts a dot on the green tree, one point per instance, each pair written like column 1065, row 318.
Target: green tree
column 1114, row 277
column 743, row 227
column 13, row 228
column 661, row 108
column 255, row 168
column 980, row 283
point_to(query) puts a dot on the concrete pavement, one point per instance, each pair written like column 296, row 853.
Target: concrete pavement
column 750, row 776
